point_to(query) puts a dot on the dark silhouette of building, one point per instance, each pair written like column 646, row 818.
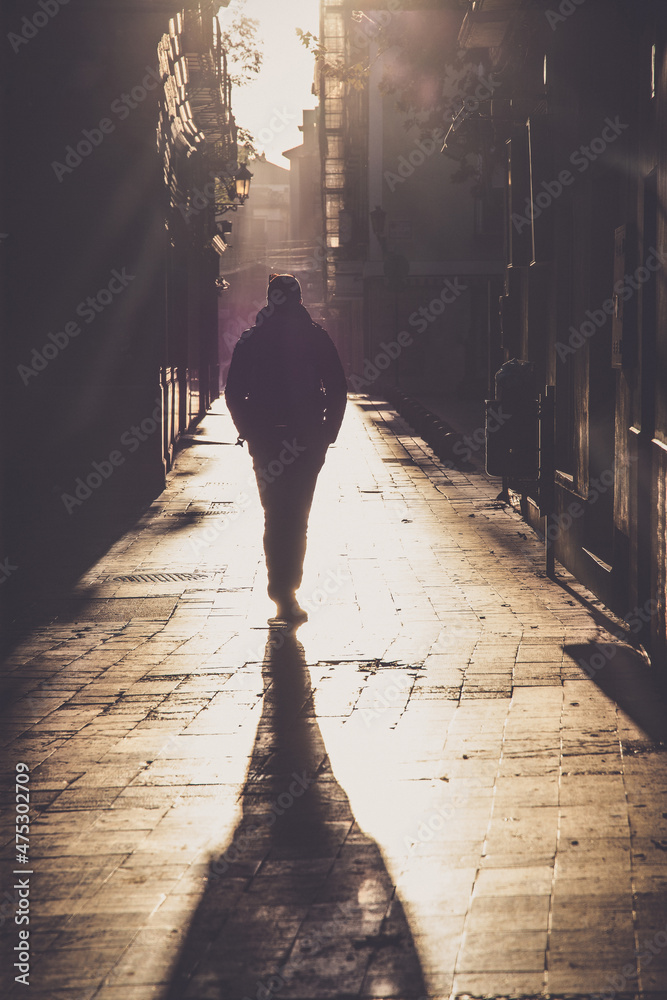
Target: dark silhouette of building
column 120, row 122
column 580, row 118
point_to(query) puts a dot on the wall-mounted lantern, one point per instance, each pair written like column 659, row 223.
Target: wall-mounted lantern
column 238, row 191
column 242, row 183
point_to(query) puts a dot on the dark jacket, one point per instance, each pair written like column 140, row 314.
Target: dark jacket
column 286, row 379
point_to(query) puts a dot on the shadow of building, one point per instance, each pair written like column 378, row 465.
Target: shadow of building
column 623, row 675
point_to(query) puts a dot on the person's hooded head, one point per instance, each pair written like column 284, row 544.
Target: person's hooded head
column 284, row 307
column 284, row 291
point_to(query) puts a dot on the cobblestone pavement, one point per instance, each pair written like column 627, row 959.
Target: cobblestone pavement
column 451, row 782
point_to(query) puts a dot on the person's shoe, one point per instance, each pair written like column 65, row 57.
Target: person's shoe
column 290, row 612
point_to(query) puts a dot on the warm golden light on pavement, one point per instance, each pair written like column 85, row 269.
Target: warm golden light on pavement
column 398, row 799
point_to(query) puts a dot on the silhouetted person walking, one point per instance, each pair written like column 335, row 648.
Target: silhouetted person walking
column 286, row 393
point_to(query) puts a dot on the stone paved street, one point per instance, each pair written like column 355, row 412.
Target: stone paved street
column 422, row 794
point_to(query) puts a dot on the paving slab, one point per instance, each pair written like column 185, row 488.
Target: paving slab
column 429, row 791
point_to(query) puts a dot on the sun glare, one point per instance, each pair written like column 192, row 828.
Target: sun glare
column 271, row 105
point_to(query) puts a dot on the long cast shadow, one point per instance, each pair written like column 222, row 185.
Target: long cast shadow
column 300, row 903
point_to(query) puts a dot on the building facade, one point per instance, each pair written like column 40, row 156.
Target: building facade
column 581, row 116
column 412, row 251
column 196, row 136
column 557, row 231
column 108, row 293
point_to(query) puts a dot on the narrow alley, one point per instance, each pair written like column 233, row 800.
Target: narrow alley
column 449, row 782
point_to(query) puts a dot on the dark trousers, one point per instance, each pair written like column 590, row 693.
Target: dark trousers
column 286, row 477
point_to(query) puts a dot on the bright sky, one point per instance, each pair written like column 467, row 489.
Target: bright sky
column 271, row 105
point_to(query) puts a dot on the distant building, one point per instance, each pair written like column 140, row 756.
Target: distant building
column 305, row 182
column 258, row 243
column 306, row 219
column 264, row 222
